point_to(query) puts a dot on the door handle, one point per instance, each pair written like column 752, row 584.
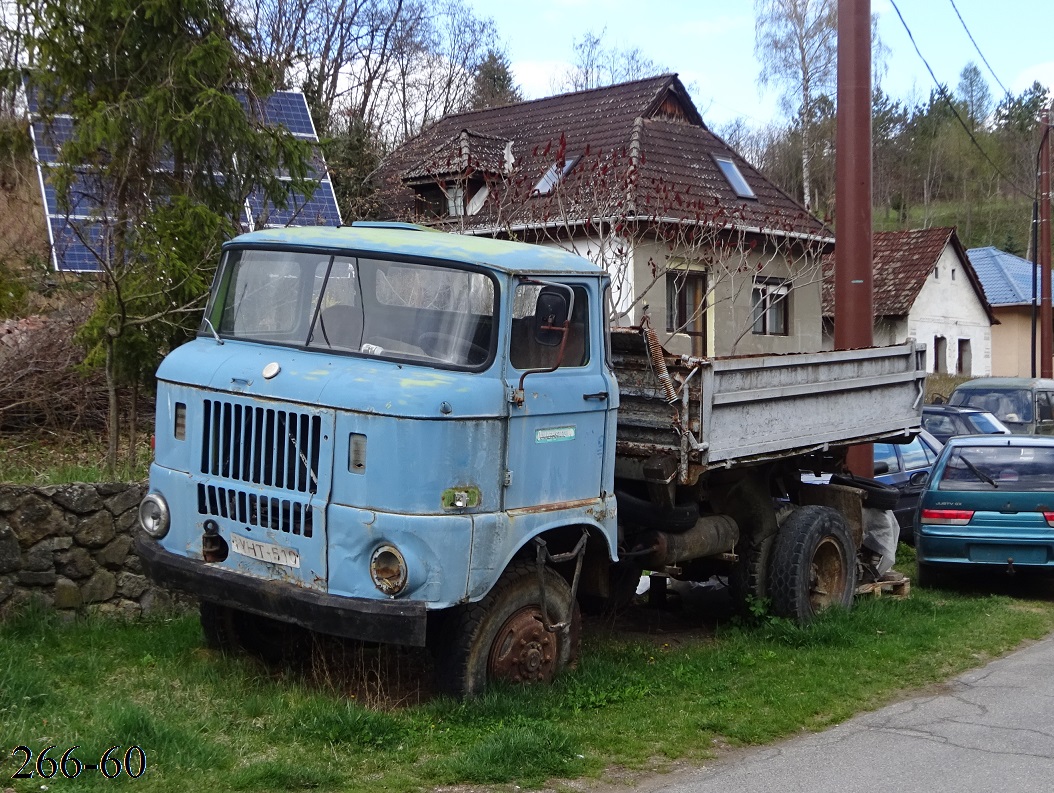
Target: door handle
column 601, row 395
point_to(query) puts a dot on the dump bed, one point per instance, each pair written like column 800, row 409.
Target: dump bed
column 747, row 409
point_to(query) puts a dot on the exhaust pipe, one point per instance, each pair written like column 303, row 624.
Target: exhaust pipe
column 711, row 534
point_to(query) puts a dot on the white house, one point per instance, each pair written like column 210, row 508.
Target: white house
column 925, row 288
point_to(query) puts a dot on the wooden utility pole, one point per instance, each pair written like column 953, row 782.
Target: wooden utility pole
column 1046, row 333
column 853, row 261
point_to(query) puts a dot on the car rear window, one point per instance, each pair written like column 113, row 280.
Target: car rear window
column 1018, row 469
column 983, row 425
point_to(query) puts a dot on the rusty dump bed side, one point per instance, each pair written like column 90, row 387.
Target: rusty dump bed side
column 748, row 409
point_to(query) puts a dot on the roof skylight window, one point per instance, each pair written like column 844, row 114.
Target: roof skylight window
column 734, row 177
column 556, row 173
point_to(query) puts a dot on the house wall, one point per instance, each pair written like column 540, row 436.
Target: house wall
column 948, row 308
column 1012, row 342
column 729, row 315
column 638, row 284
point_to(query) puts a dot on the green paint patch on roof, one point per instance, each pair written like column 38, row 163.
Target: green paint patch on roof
column 405, row 240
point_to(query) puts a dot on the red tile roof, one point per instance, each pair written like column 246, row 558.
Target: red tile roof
column 903, row 260
column 645, row 153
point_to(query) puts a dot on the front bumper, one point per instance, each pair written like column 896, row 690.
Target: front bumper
column 384, row 621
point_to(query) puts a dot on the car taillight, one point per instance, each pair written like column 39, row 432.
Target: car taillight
column 1050, row 518
column 949, row 517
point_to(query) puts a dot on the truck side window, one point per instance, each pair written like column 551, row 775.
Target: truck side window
column 527, row 352
column 1043, row 407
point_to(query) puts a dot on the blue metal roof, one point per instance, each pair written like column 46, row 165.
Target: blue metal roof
column 511, row 257
column 1006, row 278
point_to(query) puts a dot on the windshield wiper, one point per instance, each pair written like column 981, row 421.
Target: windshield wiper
column 978, row 472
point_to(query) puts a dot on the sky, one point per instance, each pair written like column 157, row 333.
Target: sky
column 710, row 44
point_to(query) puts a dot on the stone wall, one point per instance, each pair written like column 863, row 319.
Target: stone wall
column 69, row 547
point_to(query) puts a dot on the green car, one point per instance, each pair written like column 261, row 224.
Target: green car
column 988, row 506
column 1024, row 405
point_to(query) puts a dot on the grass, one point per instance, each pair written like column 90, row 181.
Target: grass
column 1004, row 223
column 636, row 700
column 49, row 457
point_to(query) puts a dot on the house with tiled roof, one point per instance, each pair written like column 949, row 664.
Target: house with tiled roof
column 720, row 259
column 925, row 288
column 1008, row 283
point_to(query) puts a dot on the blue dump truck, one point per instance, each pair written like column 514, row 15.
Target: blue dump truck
column 404, row 436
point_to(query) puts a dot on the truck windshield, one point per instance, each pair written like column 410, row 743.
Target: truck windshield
column 402, row 310
column 1008, row 405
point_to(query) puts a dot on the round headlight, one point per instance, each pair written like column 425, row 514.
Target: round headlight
column 153, row 515
column 388, row 570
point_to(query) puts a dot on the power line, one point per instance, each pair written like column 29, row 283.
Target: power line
column 947, row 98
column 983, row 58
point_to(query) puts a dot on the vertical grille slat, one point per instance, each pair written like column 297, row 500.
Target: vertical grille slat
column 278, row 514
column 260, row 446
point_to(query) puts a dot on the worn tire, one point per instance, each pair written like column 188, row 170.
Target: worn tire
column 813, row 564
column 636, row 511
column 232, row 631
column 876, row 494
column 500, row 639
column 748, row 583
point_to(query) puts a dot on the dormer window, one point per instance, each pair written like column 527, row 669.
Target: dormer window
column 734, row 177
column 556, row 173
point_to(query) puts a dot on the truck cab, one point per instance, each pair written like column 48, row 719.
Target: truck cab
column 380, row 431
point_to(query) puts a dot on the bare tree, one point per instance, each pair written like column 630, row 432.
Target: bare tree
column 974, row 95
column 16, row 21
column 667, row 249
column 596, row 65
column 796, row 43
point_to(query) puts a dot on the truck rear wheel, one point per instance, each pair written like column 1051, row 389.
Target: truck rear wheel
column 813, row 564
column 502, row 638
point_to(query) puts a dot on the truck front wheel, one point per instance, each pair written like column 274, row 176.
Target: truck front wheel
column 503, row 638
column 232, row 631
column 813, row 564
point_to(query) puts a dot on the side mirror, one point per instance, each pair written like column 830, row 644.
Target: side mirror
column 881, row 468
column 919, row 478
column 550, row 316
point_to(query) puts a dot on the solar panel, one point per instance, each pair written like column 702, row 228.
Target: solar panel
column 69, row 236
column 287, row 109
column 50, row 137
column 320, row 209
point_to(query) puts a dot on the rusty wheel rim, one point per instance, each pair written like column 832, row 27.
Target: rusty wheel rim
column 827, row 577
column 523, row 651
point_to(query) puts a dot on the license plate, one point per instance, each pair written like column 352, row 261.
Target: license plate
column 265, row 551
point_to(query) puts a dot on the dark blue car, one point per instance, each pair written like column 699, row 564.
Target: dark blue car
column 988, row 506
column 905, row 466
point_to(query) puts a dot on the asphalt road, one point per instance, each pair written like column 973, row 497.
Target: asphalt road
column 989, row 730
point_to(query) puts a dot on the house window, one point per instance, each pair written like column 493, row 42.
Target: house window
column 455, row 201
column 734, row 177
column 557, row 171
column 770, row 301
column 936, row 273
column 686, row 307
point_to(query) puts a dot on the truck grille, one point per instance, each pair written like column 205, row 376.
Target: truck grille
column 262, row 446
column 278, row 514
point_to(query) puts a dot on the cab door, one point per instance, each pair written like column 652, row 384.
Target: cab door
column 558, row 424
